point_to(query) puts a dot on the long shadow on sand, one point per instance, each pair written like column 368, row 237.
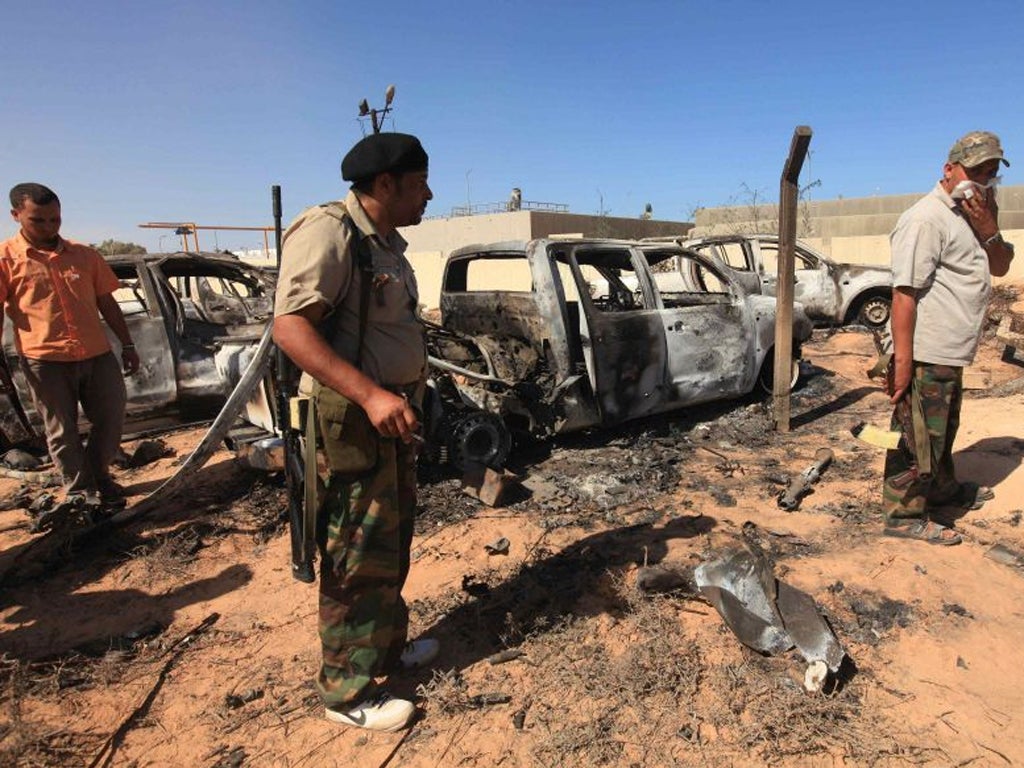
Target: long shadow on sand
column 573, row 581
column 831, row 407
column 46, row 579
column 92, row 623
column 988, row 461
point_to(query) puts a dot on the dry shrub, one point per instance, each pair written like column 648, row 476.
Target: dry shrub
column 446, row 692
column 171, row 554
column 630, row 704
column 656, row 699
column 25, row 741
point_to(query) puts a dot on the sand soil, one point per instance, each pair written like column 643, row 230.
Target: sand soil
column 181, row 639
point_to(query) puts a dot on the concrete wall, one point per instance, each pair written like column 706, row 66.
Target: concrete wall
column 856, row 229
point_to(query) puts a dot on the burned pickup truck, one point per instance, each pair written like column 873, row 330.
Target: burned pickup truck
column 832, row 293
column 558, row 335
column 196, row 319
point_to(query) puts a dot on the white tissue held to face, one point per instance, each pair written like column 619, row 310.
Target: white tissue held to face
column 966, row 189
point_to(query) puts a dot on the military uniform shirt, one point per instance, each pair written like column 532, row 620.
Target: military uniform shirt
column 318, row 265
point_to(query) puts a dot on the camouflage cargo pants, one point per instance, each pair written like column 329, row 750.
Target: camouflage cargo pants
column 365, row 533
column 905, row 493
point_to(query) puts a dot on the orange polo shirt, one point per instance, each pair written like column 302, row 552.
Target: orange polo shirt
column 51, row 298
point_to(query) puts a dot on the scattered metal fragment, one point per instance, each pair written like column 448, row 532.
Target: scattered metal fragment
column 498, row 547
column 664, row 578
column 41, row 503
column 727, row 467
column 233, row 759
column 44, row 479
column 489, row 699
column 790, row 498
column 148, row 451
column 766, row 614
column 16, row 458
column 235, row 700
column 486, row 484
column 1004, row 555
column 501, row 657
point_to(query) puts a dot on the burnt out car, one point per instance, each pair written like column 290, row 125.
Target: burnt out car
column 195, row 318
column 831, row 293
column 558, row 335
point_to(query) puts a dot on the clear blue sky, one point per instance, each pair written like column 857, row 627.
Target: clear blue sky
column 144, row 111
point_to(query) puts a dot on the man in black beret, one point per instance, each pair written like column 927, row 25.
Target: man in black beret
column 346, row 314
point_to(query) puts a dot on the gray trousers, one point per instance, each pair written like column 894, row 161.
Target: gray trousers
column 57, row 389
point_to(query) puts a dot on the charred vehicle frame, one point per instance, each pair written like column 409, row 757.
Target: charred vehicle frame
column 195, row 318
column 831, row 293
column 559, row 335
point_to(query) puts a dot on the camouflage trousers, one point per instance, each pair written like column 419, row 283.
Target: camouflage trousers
column 905, row 492
column 365, row 533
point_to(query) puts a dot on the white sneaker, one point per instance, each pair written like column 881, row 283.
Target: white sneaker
column 419, row 653
column 381, row 713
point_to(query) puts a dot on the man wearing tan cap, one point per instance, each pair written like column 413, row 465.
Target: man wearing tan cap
column 945, row 250
column 346, row 314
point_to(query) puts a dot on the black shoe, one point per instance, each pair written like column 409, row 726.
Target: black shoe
column 111, row 494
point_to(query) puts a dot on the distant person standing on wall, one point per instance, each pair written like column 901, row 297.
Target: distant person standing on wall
column 346, row 314
column 55, row 292
column 945, row 249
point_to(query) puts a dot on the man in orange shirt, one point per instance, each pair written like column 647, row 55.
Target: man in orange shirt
column 55, row 291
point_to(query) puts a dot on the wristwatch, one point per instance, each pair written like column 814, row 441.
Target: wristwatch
column 996, row 238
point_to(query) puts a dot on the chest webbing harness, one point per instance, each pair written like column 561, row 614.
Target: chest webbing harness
column 313, row 485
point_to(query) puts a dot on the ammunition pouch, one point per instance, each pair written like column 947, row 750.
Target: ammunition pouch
column 348, row 437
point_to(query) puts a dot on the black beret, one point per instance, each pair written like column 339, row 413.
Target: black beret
column 383, row 153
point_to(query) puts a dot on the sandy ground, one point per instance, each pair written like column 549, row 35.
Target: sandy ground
column 182, row 640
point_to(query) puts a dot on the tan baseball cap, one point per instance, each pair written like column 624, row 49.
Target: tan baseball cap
column 975, row 148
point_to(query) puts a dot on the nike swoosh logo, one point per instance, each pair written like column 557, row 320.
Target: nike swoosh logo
column 358, row 720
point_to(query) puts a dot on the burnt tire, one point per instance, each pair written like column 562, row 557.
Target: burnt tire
column 766, row 379
column 874, row 311
column 479, row 438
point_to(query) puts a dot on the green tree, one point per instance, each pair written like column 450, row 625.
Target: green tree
column 115, row 247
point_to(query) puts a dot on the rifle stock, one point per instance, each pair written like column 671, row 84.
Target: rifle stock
column 302, row 540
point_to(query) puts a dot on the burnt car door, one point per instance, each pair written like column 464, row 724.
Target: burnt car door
column 219, row 307
column 709, row 331
column 735, row 253
column 154, row 384
column 620, row 327
column 815, row 285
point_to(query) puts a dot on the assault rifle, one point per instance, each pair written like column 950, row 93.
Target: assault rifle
column 7, row 388
column 285, row 374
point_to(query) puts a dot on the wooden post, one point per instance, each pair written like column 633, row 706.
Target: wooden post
column 788, row 191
